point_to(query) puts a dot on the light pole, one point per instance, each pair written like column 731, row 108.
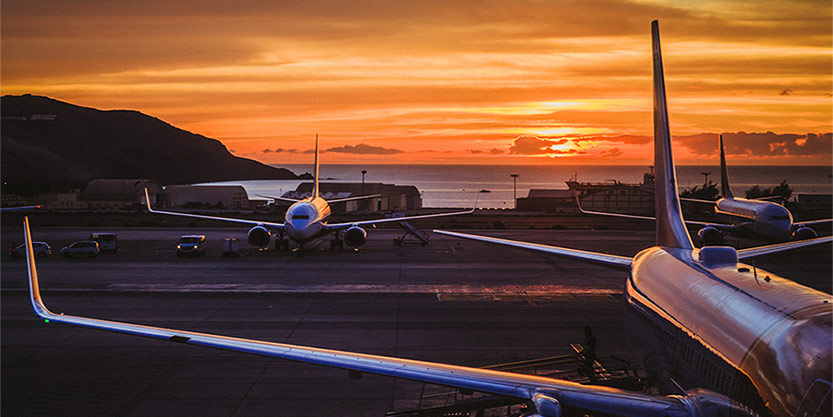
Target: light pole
column 706, row 180
column 364, row 171
column 514, row 189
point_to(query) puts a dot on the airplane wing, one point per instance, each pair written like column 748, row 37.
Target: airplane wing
column 633, row 216
column 337, row 200
column 781, row 247
column 360, row 197
column 697, row 200
column 770, row 198
column 287, row 199
column 548, row 395
column 338, row 226
column 613, row 261
column 812, row 222
column 278, row 226
column 21, row 208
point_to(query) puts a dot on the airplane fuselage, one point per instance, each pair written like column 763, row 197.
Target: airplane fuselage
column 765, row 219
column 305, row 219
column 717, row 324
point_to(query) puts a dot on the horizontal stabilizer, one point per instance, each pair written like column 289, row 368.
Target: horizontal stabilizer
column 612, row 261
column 720, row 226
column 781, row 247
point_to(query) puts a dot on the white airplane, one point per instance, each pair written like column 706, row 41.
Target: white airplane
column 756, row 219
column 750, row 342
column 306, row 220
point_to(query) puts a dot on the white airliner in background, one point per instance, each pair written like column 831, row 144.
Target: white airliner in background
column 742, row 341
column 756, row 219
column 307, row 220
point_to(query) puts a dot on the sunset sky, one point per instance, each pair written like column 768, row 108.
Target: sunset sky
column 486, row 82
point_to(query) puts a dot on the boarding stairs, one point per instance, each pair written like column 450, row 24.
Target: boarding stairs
column 412, row 236
column 436, row 401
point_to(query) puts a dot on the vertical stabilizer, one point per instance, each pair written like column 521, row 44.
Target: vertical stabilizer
column 315, row 183
column 671, row 229
column 724, row 176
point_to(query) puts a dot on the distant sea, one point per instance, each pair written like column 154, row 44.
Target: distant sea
column 456, row 185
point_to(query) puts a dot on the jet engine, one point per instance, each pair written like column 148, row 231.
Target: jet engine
column 259, row 236
column 804, row 233
column 710, row 236
column 355, row 236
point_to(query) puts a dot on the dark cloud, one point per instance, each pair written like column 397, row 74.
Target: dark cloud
column 612, row 152
column 493, row 151
column 529, row 145
column 809, row 145
column 759, row 144
column 567, row 152
column 281, row 150
column 786, row 92
column 364, row 149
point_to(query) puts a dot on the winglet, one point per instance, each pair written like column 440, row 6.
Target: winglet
column 315, row 184
column 724, row 176
column 34, row 289
column 147, row 200
column 671, row 229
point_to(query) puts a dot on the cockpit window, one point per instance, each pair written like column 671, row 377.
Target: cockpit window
column 779, row 217
column 300, row 217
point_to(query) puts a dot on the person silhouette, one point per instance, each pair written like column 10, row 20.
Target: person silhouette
column 588, row 349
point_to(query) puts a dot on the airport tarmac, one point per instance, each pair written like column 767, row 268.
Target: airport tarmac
column 452, row 301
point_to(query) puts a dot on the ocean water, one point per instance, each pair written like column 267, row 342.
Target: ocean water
column 458, row 185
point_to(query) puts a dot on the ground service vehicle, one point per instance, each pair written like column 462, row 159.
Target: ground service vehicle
column 107, row 242
column 191, row 245
column 88, row 248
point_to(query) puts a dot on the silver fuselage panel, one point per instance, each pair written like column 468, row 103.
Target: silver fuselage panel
column 750, row 334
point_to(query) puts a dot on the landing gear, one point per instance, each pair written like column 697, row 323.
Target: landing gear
column 281, row 243
column 337, row 242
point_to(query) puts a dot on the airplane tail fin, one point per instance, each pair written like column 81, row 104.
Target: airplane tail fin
column 724, row 176
column 671, row 230
column 315, row 184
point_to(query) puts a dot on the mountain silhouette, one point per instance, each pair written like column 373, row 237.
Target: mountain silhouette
column 52, row 145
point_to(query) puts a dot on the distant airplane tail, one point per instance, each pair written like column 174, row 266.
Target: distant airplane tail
column 671, row 230
column 315, row 188
column 724, row 177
